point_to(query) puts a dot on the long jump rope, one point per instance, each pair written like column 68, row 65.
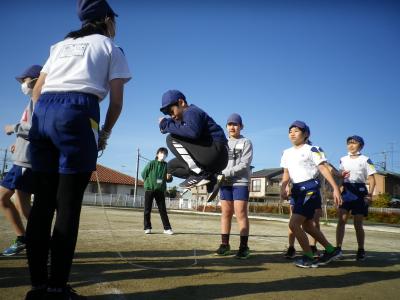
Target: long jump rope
column 120, row 255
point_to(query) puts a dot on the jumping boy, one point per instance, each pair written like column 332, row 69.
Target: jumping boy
column 198, row 143
column 357, row 169
column 301, row 165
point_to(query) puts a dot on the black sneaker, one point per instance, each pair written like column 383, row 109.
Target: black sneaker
column 67, row 293
column 36, row 294
column 243, row 253
column 290, row 253
column 193, row 181
column 223, row 250
column 326, row 257
column 213, row 187
column 360, row 255
column 306, row 262
column 315, row 251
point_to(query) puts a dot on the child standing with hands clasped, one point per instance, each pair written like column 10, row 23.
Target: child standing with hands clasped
column 301, row 164
column 356, row 169
column 234, row 192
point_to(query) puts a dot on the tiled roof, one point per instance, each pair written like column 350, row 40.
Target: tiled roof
column 267, row 172
column 107, row 175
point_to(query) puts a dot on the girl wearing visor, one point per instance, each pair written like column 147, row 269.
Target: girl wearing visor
column 80, row 71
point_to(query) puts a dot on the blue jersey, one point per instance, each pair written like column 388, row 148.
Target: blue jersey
column 196, row 125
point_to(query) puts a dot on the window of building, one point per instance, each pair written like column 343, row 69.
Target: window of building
column 256, row 185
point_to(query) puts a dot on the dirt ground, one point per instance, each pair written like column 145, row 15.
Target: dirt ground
column 115, row 260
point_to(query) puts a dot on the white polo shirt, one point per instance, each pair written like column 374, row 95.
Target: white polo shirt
column 360, row 168
column 84, row 65
column 302, row 163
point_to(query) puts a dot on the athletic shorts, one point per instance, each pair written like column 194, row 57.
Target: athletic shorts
column 231, row 193
column 64, row 133
column 19, row 178
column 353, row 197
column 307, row 198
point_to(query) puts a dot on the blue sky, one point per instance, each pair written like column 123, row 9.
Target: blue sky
column 333, row 64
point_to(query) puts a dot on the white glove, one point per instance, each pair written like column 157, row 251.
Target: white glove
column 103, row 137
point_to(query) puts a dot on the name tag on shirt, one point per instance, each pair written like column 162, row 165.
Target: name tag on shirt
column 73, row 50
column 159, row 181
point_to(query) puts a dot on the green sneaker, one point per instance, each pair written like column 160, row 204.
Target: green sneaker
column 223, row 250
column 243, row 253
column 16, row 247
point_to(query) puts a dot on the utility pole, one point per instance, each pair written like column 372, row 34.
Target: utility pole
column 137, row 176
column 4, row 163
column 391, row 152
column 384, row 160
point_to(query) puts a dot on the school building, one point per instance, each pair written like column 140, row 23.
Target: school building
column 113, row 182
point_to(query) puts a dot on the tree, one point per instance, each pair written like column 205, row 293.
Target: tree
column 382, row 200
column 171, row 193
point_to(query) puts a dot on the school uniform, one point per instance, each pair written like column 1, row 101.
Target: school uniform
column 302, row 164
column 354, row 186
column 64, row 139
column 237, row 172
column 19, row 177
column 198, row 143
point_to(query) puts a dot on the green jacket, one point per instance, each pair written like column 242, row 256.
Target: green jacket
column 154, row 175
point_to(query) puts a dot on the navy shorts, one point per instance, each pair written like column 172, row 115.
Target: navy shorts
column 19, row 178
column 307, row 198
column 231, row 193
column 353, row 197
column 64, row 133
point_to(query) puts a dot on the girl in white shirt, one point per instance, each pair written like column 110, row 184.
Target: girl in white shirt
column 301, row 164
column 65, row 140
column 357, row 169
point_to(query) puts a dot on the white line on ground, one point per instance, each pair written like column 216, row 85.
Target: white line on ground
column 377, row 228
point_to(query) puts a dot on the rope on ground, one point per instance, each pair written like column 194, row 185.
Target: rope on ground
column 120, row 255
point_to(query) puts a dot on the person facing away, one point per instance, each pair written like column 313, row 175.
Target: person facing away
column 197, row 141
column 65, row 140
column 19, row 181
column 155, row 177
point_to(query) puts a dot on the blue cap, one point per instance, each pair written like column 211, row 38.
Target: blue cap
column 169, row 98
column 32, row 72
column 235, row 118
column 357, row 138
column 302, row 126
column 89, row 10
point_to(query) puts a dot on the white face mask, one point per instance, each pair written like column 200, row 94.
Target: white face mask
column 161, row 156
column 25, row 89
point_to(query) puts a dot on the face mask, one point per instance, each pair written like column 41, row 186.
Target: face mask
column 161, row 157
column 25, row 89
column 355, row 154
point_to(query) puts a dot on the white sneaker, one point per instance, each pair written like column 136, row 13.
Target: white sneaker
column 168, row 231
column 147, row 231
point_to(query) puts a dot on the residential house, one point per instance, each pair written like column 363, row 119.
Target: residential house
column 387, row 182
column 265, row 184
